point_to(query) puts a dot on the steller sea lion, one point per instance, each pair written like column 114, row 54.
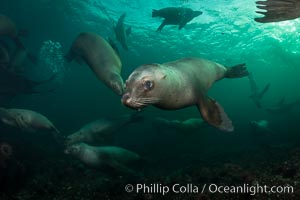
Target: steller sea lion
column 175, row 16
column 282, row 107
column 97, row 131
column 4, row 56
column 28, row 121
column 179, row 84
column 121, row 33
column 278, row 10
column 100, row 57
column 113, row 157
column 256, row 94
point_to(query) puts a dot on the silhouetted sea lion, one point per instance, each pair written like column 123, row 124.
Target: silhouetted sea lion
column 100, row 57
column 121, row 34
column 282, row 107
column 113, row 157
column 278, row 10
column 180, row 84
column 175, row 16
column 12, row 84
column 256, row 94
column 113, row 45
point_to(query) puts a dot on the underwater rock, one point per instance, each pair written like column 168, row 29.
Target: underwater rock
column 9, row 29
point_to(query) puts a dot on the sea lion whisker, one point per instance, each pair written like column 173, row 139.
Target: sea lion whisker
column 137, row 103
column 149, row 99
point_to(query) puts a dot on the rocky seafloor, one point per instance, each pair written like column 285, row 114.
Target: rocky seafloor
column 59, row 178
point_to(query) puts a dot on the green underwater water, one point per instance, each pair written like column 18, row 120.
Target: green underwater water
column 226, row 33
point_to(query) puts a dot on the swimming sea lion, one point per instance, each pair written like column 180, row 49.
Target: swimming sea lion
column 12, row 84
column 113, row 157
column 100, row 57
column 278, row 10
column 98, row 131
column 180, row 84
column 121, row 34
column 261, row 127
column 175, row 16
column 256, row 94
column 28, row 121
column 282, row 107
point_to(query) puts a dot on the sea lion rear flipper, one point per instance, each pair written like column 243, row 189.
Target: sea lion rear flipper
column 214, row 114
column 161, row 26
column 237, row 71
column 266, row 88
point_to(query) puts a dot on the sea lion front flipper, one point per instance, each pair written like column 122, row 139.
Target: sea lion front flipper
column 278, row 10
column 182, row 24
column 161, row 26
column 214, row 114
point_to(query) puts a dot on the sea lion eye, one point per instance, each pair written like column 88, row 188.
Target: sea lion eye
column 148, row 85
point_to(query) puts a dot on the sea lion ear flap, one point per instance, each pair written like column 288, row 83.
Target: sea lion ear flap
column 164, row 76
column 214, row 114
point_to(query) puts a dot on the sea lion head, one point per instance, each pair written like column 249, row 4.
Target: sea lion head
column 143, row 87
column 197, row 13
column 116, row 83
column 7, row 118
column 74, row 149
